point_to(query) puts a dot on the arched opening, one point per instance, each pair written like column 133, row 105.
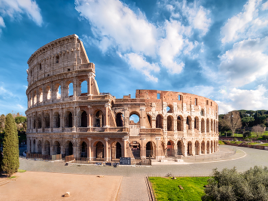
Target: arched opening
column 179, row 124
column 30, row 147
column 47, row 120
column 202, row 126
column 56, row 120
column 159, row 121
column 189, row 123
column 207, row 126
column 170, row 123
column 39, row 147
column 84, row 149
column 57, row 149
column 39, row 122
column 203, row 147
column 99, row 151
column 69, row 149
column 150, row 149
column 135, row 148
column 170, row 148
column 84, row 89
column 196, row 123
column 119, row 119
column 149, row 120
column 47, row 148
column 208, row 147
column 196, row 148
column 189, row 149
column 35, row 98
column 48, row 93
column 70, row 90
column 40, row 95
column 179, row 148
column 58, row 95
column 212, row 147
column 84, row 119
column 34, row 146
column 134, row 119
column 202, row 112
column 211, row 128
column 116, row 150
column 69, row 119
column 99, row 120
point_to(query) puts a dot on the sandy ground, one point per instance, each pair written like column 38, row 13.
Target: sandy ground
column 51, row 186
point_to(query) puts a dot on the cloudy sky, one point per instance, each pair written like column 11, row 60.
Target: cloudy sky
column 216, row 49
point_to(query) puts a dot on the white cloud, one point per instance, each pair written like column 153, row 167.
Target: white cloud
column 237, row 25
column 138, row 62
column 115, row 23
column 245, row 62
column 244, row 99
column 2, row 23
column 14, row 8
column 265, row 6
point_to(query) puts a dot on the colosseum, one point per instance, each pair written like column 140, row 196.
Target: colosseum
column 68, row 115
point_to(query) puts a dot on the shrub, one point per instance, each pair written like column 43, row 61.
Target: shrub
column 247, row 134
column 230, row 185
column 235, row 139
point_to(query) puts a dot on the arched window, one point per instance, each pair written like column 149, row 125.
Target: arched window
column 169, row 109
column 84, row 89
column 179, row 124
column 134, row 119
column 170, row 123
column 119, row 119
column 149, row 120
column 202, row 113
column 47, row 121
column 159, row 121
column 57, row 59
column 69, row 119
column 70, row 90
column 99, row 120
column 48, row 93
column 57, row 120
column 59, row 92
column 40, row 95
column 189, row 122
column 84, row 149
column 84, row 119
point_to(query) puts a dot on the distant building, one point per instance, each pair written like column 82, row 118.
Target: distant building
column 64, row 119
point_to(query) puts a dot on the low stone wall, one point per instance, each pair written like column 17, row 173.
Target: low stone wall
column 247, row 145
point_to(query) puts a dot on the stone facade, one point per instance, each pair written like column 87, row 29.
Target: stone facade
column 63, row 119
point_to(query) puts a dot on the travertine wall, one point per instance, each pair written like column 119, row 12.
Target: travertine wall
column 93, row 124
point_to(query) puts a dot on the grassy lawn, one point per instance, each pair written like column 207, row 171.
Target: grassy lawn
column 253, row 143
column 221, row 142
column 21, row 171
column 235, row 142
column 168, row 189
column 266, row 144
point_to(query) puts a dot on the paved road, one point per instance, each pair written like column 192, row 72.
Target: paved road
column 133, row 180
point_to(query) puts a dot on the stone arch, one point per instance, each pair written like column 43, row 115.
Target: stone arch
column 180, row 123
column 58, row 91
column 48, row 92
column 47, row 120
column 202, row 125
column 170, row 148
column 99, row 150
column 207, row 126
column 189, row 123
column 35, row 97
column 196, row 123
column 159, row 121
column 150, row 149
column 41, row 98
column 180, row 147
column 116, row 150
column 133, row 115
column 98, row 118
column 84, row 87
column 56, row 148
column 189, row 148
column 68, row 119
column 56, row 119
column 135, row 148
column 39, row 147
column 197, row 147
column 170, row 107
column 83, row 149
column 203, row 147
column 70, row 88
column 69, row 150
column 47, row 148
column 170, row 121
column 83, row 118
column 119, row 119
column 39, row 120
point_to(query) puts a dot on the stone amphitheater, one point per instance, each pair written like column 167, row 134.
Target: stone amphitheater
column 68, row 115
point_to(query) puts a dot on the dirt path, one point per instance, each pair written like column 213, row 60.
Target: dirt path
column 51, row 186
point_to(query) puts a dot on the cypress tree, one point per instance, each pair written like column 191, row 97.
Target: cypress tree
column 10, row 161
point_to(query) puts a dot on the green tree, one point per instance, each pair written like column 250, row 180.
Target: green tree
column 2, row 123
column 10, row 162
column 246, row 120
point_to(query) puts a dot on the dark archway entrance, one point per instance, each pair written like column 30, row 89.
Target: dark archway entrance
column 119, row 119
column 69, row 149
column 84, row 119
column 84, row 149
column 149, row 149
column 99, row 151
column 57, row 148
column 179, row 144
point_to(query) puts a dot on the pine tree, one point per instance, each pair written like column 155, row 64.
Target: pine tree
column 10, row 162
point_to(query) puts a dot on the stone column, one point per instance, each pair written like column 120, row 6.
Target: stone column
column 106, row 153
column 89, row 154
column 28, row 145
column 153, row 122
column 184, row 151
column 175, row 124
column 51, row 120
column 76, row 109
column 158, row 149
column 143, row 149
column 74, row 89
column 199, row 148
column 125, row 140
column 62, row 150
column 51, row 147
column 142, row 117
column 193, row 148
column 107, row 107
column 90, row 113
column 61, row 113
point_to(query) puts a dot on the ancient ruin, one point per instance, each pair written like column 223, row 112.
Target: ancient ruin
column 64, row 119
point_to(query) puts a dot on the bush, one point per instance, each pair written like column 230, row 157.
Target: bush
column 247, row 134
column 230, row 185
column 235, row 139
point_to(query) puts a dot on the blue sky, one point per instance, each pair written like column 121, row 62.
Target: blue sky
column 216, row 49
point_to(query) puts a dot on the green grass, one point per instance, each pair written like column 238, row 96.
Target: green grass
column 253, row 143
column 168, row 189
column 221, row 142
column 235, row 142
column 21, row 171
column 12, row 177
column 266, row 144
